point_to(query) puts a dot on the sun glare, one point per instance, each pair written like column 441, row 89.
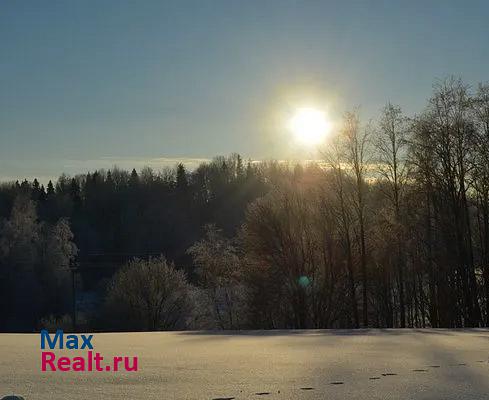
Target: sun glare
column 310, row 125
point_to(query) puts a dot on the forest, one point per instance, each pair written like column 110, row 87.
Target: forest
column 390, row 228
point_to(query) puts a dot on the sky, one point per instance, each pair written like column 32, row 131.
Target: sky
column 92, row 84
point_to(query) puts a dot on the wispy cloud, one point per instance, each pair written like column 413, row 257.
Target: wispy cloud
column 44, row 170
column 130, row 162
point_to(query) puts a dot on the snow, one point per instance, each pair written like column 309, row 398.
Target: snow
column 338, row 364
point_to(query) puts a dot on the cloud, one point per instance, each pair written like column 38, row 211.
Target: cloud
column 45, row 170
column 129, row 163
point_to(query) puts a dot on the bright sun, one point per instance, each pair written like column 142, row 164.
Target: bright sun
column 310, row 125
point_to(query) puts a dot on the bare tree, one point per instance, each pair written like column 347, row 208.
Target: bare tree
column 341, row 188
column 480, row 176
column 356, row 141
column 149, row 295
column 392, row 146
column 289, row 237
column 219, row 269
column 443, row 147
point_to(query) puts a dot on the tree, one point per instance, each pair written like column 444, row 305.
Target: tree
column 294, row 258
column 392, row 146
column 356, row 143
column 34, row 261
column 219, row 269
column 149, row 295
column 480, row 105
column 57, row 253
column 443, row 156
column 20, row 233
column 341, row 204
column 50, row 189
column 182, row 181
column 134, row 179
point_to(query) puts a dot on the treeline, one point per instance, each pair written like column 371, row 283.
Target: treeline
column 114, row 216
column 390, row 229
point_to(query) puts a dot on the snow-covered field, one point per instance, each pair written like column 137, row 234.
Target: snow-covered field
column 373, row 364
